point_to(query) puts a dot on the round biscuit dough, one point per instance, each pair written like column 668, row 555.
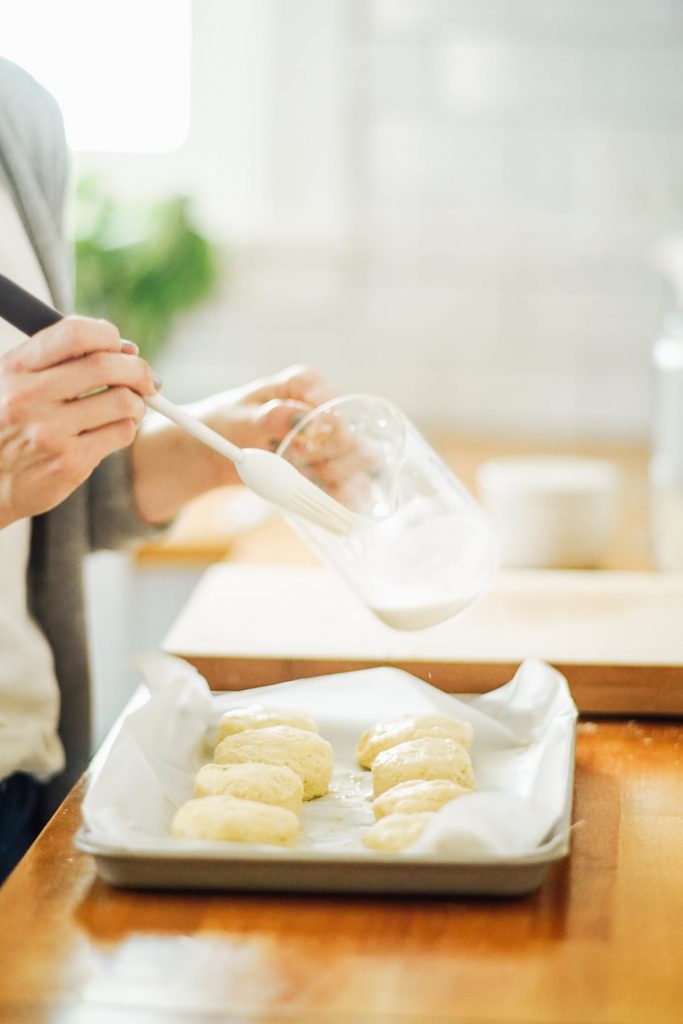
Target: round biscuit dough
column 385, row 735
column 239, row 821
column 396, row 831
column 256, row 716
column 415, row 796
column 264, row 783
column 429, row 758
column 306, row 753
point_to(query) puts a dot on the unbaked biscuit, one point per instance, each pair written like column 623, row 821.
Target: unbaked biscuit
column 396, row 831
column 239, row 821
column 385, row 735
column 264, row 783
column 256, row 716
column 428, row 758
column 306, row 753
column 413, row 797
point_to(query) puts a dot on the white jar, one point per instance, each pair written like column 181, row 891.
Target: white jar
column 551, row 512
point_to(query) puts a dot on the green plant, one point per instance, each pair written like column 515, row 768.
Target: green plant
column 139, row 268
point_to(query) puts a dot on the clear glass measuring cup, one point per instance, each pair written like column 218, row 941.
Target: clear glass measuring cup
column 422, row 549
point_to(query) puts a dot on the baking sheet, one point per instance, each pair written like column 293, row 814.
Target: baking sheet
column 500, row 839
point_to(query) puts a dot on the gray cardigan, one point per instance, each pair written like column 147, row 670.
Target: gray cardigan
column 101, row 512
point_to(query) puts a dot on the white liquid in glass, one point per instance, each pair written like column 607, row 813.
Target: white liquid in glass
column 420, row 566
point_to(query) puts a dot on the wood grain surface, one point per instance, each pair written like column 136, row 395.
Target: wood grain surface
column 616, row 636
column 600, row 943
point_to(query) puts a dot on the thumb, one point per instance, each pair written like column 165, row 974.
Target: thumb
column 275, row 419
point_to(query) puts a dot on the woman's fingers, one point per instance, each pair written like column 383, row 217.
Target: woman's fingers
column 326, row 438
column 98, row 410
column 72, row 337
column 79, row 355
column 330, row 455
column 336, row 472
column 53, row 432
column 274, row 419
column 98, row 370
column 95, row 445
column 296, row 383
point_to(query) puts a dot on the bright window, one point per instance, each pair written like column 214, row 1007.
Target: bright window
column 119, row 71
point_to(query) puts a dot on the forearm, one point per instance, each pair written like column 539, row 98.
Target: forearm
column 170, row 467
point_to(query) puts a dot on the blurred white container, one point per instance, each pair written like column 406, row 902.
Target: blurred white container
column 666, row 465
column 554, row 512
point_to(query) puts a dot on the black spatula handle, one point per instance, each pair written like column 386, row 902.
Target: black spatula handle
column 23, row 310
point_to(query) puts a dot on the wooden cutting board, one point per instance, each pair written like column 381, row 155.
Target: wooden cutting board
column 616, row 636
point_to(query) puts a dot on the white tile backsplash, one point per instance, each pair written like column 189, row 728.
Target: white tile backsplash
column 506, row 169
column 495, row 75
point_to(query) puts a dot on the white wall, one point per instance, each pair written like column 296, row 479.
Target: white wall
column 453, row 202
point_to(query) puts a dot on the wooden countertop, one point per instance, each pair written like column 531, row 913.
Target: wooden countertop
column 599, row 943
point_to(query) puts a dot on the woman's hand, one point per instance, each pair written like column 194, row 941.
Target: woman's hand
column 170, row 467
column 57, row 421
column 261, row 414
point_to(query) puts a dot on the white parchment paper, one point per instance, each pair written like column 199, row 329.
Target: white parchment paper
column 522, row 755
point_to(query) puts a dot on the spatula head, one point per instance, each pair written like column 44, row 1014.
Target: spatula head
column 276, row 480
